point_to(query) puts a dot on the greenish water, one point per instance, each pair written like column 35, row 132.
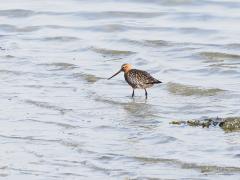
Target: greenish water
column 62, row 119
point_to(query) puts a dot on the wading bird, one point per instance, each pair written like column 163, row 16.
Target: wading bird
column 137, row 79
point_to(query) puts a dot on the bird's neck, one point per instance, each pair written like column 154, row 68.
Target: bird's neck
column 127, row 70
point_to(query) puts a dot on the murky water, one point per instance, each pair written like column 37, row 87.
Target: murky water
column 61, row 118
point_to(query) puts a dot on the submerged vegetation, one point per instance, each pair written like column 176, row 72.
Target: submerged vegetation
column 227, row 124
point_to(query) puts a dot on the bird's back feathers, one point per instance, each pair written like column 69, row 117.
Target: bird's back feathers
column 140, row 79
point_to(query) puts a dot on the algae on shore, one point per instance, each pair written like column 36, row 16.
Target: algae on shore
column 227, row 124
column 230, row 124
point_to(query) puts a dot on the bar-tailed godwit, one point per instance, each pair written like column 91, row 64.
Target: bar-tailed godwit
column 137, row 79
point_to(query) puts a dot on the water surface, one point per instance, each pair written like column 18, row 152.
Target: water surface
column 61, row 118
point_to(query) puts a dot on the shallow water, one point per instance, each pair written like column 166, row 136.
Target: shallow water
column 61, row 118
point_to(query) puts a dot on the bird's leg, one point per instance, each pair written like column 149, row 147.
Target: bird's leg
column 133, row 93
column 146, row 94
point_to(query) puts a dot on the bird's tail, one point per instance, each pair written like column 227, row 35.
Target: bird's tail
column 155, row 82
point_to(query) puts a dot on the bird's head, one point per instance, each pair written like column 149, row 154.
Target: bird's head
column 124, row 68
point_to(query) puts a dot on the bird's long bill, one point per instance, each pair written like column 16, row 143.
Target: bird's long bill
column 115, row 74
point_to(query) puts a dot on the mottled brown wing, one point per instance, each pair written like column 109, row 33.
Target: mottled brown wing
column 140, row 79
column 146, row 78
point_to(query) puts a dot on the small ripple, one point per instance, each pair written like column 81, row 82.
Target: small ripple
column 94, row 166
column 47, row 105
column 44, row 86
column 187, row 90
column 65, row 125
column 4, row 175
column 9, row 56
column 17, row 13
column 159, row 139
column 194, row 30
column 22, row 13
column 29, row 138
column 233, row 45
column 162, row 43
column 109, row 28
column 6, row 27
column 10, row 72
column 112, row 52
column 60, row 38
column 150, row 43
column 157, row 43
column 120, row 28
column 237, row 156
column 90, row 78
column 117, row 14
column 73, row 174
column 12, row 28
column 186, row 165
column 60, row 66
column 226, row 65
column 219, row 56
column 29, row 171
column 1, row 48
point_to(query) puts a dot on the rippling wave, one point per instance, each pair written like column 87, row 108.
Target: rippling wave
column 62, row 119
column 186, row 90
